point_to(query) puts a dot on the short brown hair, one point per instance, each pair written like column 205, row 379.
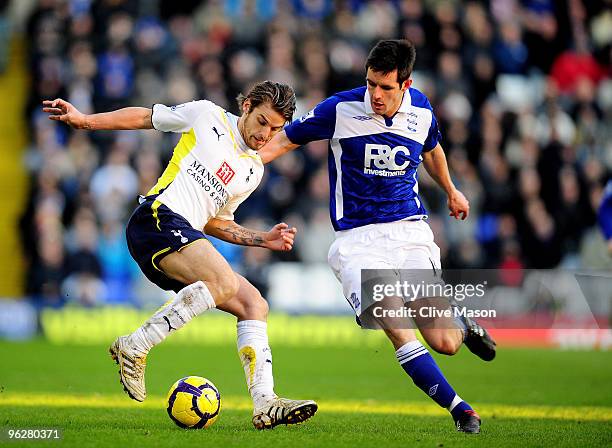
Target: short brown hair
column 280, row 96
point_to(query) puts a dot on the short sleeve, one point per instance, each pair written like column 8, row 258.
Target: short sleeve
column 433, row 136
column 318, row 124
column 179, row 118
column 227, row 212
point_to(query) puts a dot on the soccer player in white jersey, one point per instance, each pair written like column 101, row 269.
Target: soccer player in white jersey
column 378, row 135
column 214, row 168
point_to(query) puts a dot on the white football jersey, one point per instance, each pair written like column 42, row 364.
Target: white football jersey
column 212, row 170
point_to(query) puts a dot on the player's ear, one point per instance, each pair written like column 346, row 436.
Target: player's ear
column 406, row 84
column 246, row 106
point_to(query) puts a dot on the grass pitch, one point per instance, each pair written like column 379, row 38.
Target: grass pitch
column 525, row 397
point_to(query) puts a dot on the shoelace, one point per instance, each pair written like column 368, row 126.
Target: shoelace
column 473, row 413
column 476, row 330
column 139, row 366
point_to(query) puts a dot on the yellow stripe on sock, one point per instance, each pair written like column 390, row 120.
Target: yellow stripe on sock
column 247, row 353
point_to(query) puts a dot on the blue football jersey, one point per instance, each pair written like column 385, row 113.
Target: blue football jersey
column 372, row 160
column 604, row 214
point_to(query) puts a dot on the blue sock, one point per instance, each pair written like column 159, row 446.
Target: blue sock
column 418, row 363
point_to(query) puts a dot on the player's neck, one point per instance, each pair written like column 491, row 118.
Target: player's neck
column 242, row 131
column 241, row 121
column 389, row 115
column 398, row 106
column 392, row 114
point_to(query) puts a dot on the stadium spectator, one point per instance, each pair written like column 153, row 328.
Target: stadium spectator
column 531, row 163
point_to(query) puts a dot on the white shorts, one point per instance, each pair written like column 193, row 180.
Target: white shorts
column 394, row 245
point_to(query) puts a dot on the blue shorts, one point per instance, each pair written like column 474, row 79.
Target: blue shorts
column 154, row 233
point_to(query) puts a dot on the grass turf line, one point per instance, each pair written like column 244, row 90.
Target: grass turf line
column 526, row 397
column 370, row 406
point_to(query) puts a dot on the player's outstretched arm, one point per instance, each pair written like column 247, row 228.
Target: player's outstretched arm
column 434, row 162
column 280, row 237
column 122, row 119
column 276, row 147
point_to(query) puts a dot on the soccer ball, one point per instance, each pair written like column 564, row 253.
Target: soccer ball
column 194, row 402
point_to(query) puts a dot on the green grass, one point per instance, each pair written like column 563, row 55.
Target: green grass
column 526, row 397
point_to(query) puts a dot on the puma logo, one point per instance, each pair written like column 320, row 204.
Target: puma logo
column 170, row 327
column 217, row 132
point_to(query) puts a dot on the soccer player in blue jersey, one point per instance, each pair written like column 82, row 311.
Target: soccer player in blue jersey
column 378, row 135
column 604, row 215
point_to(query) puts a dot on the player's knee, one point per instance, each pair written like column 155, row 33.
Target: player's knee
column 446, row 344
column 224, row 288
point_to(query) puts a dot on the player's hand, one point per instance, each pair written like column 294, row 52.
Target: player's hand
column 458, row 205
column 280, row 237
column 61, row 110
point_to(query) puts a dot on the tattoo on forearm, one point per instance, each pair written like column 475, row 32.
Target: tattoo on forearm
column 241, row 235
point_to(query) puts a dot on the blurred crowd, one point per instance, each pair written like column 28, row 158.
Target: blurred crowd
column 521, row 87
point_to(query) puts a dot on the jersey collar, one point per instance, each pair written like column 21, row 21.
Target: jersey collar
column 241, row 143
column 404, row 107
column 232, row 122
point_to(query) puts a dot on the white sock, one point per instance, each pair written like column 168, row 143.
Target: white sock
column 256, row 358
column 189, row 302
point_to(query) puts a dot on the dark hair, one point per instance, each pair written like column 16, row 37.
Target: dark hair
column 389, row 55
column 280, row 96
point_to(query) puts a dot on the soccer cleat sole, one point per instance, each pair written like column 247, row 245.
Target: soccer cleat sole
column 294, row 417
column 469, row 423
column 472, row 429
column 115, row 358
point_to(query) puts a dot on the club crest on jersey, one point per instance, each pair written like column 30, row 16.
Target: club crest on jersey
column 179, row 234
column 384, row 160
column 412, row 122
column 307, row 116
column 225, row 173
column 250, row 174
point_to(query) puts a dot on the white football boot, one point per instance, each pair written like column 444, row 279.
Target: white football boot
column 131, row 368
column 283, row 411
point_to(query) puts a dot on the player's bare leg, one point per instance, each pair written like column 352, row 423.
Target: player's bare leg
column 446, row 334
column 210, row 281
column 269, row 410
